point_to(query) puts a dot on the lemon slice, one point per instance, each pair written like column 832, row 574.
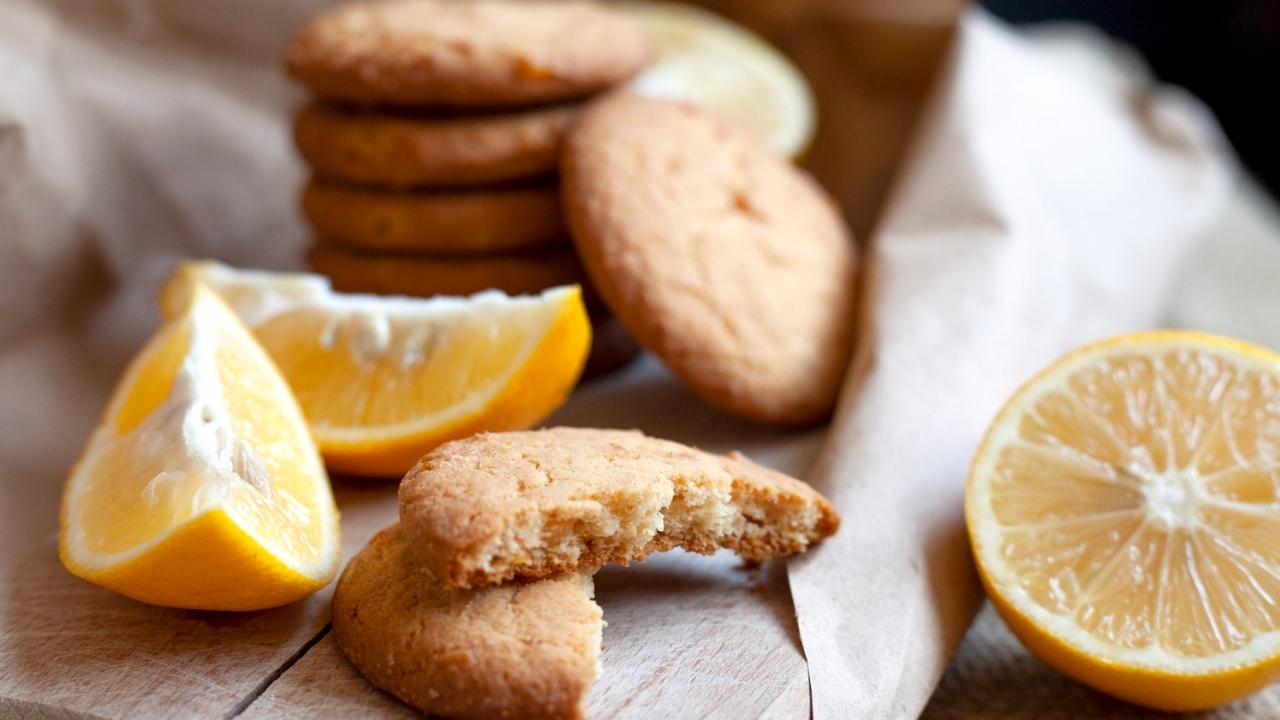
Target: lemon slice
column 382, row 380
column 201, row 487
column 707, row 60
column 1124, row 510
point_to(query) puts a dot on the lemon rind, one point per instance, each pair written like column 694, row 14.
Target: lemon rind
column 89, row 563
column 316, row 292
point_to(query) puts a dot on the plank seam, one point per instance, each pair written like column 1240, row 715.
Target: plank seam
column 268, row 681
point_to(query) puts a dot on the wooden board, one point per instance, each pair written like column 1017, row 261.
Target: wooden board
column 697, row 634
column 69, row 646
column 87, row 652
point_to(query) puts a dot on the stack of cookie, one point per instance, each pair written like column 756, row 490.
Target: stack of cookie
column 434, row 142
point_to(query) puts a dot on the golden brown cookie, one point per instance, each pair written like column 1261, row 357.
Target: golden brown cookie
column 467, row 54
column 464, row 223
column 718, row 254
column 423, row 275
column 403, row 151
column 534, row 504
column 515, row 651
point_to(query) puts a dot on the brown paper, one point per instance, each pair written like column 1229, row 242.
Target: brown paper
column 1038, row 209
column 1036, row 212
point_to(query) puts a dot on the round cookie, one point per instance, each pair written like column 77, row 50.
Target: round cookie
column 516, row 651
column 718, row 254
column 468, row 222
column 483, row 53
column 535, row 504
column 402, row 152
column 514, row 273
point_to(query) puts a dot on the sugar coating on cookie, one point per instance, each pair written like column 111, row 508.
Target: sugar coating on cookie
column 719, row 255
column 526, row 650
column 477, row 53
column 449, row 223
column 413, row 151
column 534, row 504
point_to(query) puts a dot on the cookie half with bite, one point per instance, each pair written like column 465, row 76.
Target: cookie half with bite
column 497, row 506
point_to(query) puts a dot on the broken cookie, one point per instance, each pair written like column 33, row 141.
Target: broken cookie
column 535, row 504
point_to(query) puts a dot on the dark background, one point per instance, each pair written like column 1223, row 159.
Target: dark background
column 1227, row 52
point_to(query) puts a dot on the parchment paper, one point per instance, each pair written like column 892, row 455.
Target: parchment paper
column 1048, row 198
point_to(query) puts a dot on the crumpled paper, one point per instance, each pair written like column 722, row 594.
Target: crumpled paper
column 1038, row 210
column 1048, row 198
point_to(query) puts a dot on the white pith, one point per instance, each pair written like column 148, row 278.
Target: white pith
column 188, row 439
column 365, row 326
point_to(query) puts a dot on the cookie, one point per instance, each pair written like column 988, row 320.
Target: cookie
column 535, row 504
column 515, row 651
column 483, row 53
column 420, row 275
column 468, row 222
column 718, row 254
column 403, row 152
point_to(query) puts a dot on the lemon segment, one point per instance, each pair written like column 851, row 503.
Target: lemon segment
column 1124, row 517
column 382, row 380
column 201, row 488
column 723, row 67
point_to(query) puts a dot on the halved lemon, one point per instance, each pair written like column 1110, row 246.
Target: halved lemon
column 710, row 61
column 1124, row 511
column 382, row 380
column 201, row 487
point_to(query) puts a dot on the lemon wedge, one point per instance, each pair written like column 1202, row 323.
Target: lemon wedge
column 382, row 380
column 723, row 67
column 201, row 487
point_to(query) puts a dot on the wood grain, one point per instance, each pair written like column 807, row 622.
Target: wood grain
column 696, row 633
column 90, row 653
column 71, row 649
column 324, row 685
column 702, row 635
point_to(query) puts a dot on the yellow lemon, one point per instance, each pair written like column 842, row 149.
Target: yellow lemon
column 201, row 487
column 382, row 380
column 710, row 61
column 1125, row 518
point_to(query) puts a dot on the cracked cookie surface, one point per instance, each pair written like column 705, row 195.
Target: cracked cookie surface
column 718, row 254
column 482, row 53
column 540, row 503
column 519, row 650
